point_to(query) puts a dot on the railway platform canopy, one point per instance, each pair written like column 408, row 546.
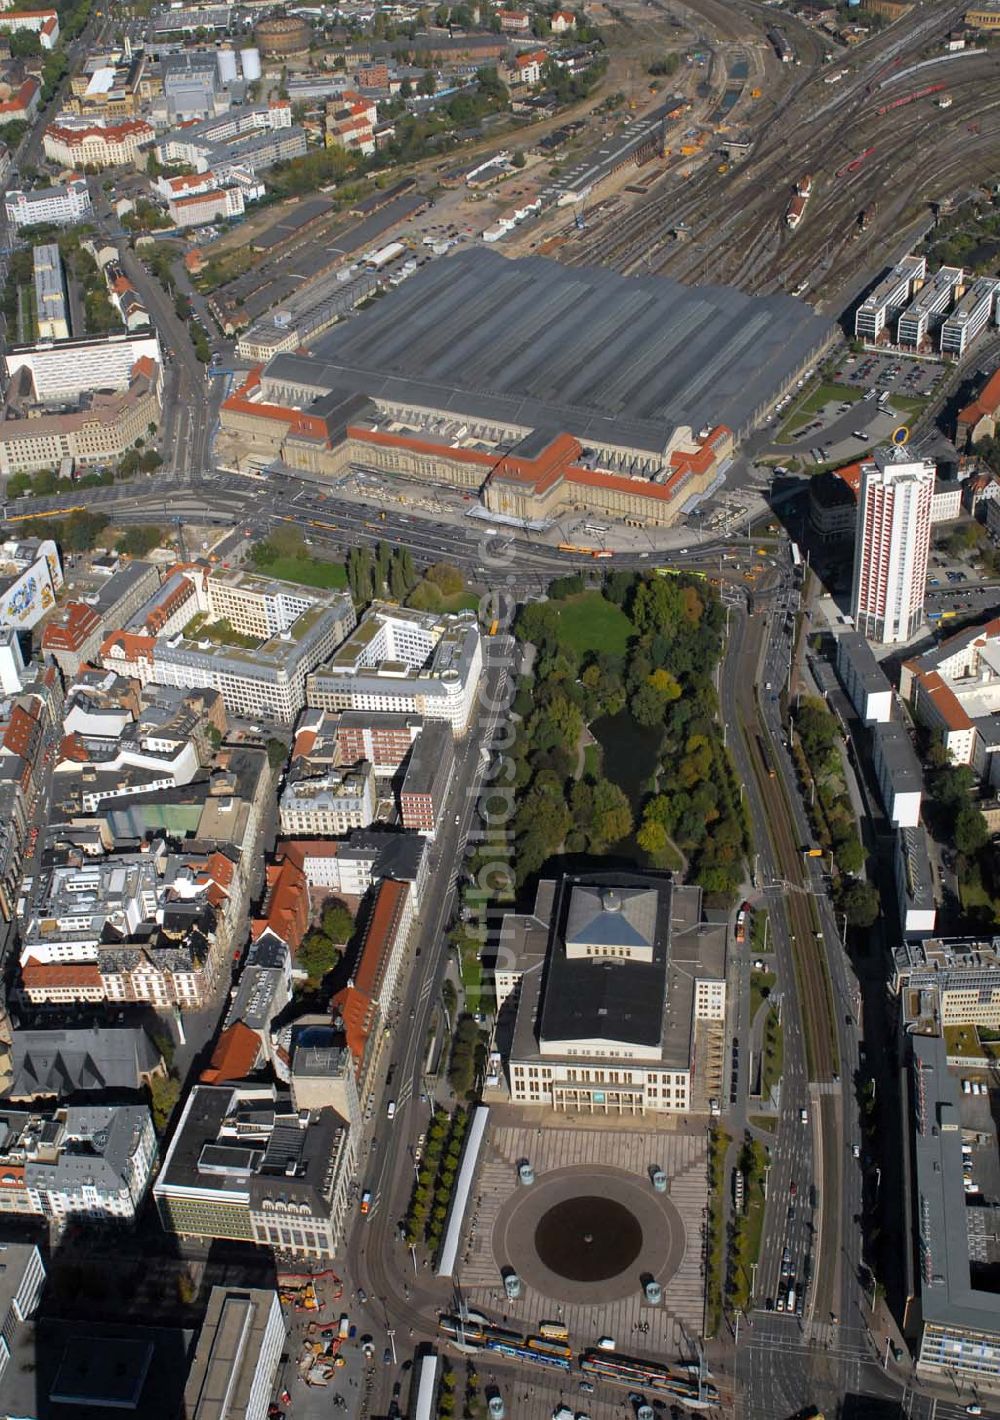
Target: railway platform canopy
column 532, row 345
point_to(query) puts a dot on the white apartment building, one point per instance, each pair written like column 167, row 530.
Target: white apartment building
column 43, row 23
column 863, row 678
column 61, row 205
column 900, row 780
column 217, row 205
column 405, row 662
column 892, row 546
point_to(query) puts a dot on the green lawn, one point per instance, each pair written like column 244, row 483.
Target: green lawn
column 962, row 1040
column 472, row 976
column 830, row 394
column 592, row 758
column 811, row 403
column 461, row 601
column 760, row 981
column 760, row 940
column 748, row 1230
column 589, row 622
column 307, row 571
column 908, row 403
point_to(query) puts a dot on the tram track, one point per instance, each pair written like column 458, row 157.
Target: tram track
column 813, row 988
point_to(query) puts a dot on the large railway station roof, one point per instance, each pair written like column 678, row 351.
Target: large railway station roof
column 585, row 351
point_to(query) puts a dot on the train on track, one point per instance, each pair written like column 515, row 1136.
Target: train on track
column 683, row 1384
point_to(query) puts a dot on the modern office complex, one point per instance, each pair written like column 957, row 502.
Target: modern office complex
column 66, row 369
column 236, row 1360
column 970, row 317
column 923, row 315
column 609, row 980
column 892, row 546
column 51, row 310
column 889, row 298
column 298, row 630
column 407, row 662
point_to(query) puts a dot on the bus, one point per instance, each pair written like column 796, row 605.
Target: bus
column 554, row 1331
column 548, row 1347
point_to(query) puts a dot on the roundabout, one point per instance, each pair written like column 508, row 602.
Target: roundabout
column 589, row 1235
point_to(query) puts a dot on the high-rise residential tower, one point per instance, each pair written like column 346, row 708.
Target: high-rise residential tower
column 892, row 545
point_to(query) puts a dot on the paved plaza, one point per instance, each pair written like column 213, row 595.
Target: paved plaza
column 609, row 1164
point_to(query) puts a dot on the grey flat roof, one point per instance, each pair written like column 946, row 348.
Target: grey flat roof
column 892, row 745
column 595, row 998
column 601, row 356
column 913, row 846
column 14, row 1260
column 430, row 759
column 948, row 1297
column 857, row 650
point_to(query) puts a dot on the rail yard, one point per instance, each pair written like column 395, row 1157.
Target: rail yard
column 905, row 126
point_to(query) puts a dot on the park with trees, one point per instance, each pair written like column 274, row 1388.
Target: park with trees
column 623, row 677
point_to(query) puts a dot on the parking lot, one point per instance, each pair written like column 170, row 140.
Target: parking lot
column 855, row 404
column 906, row 377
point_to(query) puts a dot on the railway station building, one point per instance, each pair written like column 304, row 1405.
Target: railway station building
column 542, row 390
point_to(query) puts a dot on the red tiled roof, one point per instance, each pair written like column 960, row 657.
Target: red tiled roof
column 18, row 102
column 77, row 622
column 944, row 700
column 38, row 974
column 380, row 934
column 851, row 475
column 129, row 644
column 357, row 1011
column 113, row 132
column 987, row 402
column 235, row 1055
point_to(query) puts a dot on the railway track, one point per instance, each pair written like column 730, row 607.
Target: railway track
column 813, row 988
column 751, row 247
